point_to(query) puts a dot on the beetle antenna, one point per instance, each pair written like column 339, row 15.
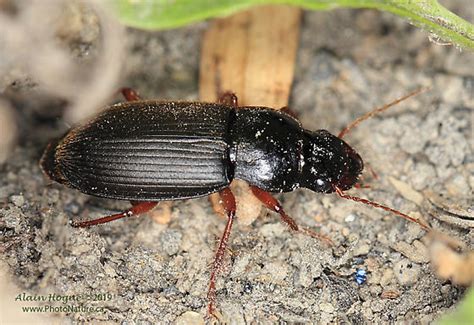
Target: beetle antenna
column 378, row 110
column 380, row 206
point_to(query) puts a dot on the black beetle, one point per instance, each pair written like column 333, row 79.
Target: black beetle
column 149, row 151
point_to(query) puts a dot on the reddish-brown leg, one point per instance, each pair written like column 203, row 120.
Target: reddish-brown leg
column 228, row 201
column 130, row 94
column 271, row 203
column 137, row 209
column 228, row 98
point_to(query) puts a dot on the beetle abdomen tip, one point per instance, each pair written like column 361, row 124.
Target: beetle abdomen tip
column 47, row 162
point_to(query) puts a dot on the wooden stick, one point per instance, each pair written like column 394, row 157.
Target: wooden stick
column 253, row 55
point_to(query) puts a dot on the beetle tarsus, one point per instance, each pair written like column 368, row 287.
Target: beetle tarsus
column 137, row 209
column 130, row 94
column 228, row 201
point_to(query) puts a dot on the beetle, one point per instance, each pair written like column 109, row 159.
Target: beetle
column 146, row 151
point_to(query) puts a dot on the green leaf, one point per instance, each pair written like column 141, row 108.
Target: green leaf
column 464, row 313
column 444, row 25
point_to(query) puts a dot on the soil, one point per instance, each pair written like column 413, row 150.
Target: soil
column 146, row 270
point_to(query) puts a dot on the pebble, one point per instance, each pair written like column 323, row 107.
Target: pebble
column 277, row 271
column 327, row 308
column 377, row 306
column 80, row 249
column 417, row 252
column 350, row 218
column 189, row 318
column 109, row 270
column 362, row 249
column 407, row 191
column 367, row 311
column 11, row 177
column 17, row 200
column 345, row 231
column 387, row 277
column 406, row 272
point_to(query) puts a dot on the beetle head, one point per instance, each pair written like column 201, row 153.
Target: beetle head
column 329, row 162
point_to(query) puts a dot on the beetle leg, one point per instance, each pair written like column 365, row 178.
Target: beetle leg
column 228, row 98
column 137, row 209
column 130, row 94
column 271, row 203
column 228, row 201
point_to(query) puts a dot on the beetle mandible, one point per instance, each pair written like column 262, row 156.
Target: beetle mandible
column 146, row 151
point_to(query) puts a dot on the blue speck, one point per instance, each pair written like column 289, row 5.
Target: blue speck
column 360, row 276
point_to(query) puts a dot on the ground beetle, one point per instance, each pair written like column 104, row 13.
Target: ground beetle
column 149, row 151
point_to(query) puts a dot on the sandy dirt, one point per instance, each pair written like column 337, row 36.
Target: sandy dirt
column 349, row 62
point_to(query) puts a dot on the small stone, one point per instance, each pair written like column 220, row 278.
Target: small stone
column 350, row 218
column 407, row 191
column 345, row 231
column 277, row 271
column 11, row 177
column 387, row 277
column 406, row 272
column 240, row 265
column 327, row 308
column 353, row 237
column 189, row 318
column 367, row 312
column 325, row 318
column 79, row 249
column 17, row 200
column 372, row 264
column 416, row 253
column 377, row 306
column 375, row 290
column 362, row 249
column 109, row 270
